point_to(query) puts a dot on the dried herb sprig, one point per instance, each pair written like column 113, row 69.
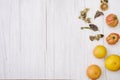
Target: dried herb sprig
column 98, row 14
column 83, row 15
column 91, row 27
column 96, row 37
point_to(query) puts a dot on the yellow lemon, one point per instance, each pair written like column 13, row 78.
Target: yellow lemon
column 100, row 51
column 112, row 62
column 93, row 72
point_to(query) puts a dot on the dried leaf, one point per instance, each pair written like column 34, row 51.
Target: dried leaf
column 93, row 27
column 83, row 15
column 96, row 37
column 100, row 35
column 85, row 27
column 98, row 14
column 88, row 20
column 92, row 38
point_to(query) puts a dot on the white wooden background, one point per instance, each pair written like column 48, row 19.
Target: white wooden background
column 42, row 39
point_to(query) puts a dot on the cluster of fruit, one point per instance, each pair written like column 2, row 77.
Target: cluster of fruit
column 112, row 62
column 112, row 21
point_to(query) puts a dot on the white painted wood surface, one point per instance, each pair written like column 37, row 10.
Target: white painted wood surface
column 42, row 39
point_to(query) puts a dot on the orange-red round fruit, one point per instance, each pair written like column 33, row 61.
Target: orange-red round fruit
column 93, row 72
column 112, row 38
column 112, row 20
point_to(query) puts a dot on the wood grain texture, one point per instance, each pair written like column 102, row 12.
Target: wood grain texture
column 42, row 39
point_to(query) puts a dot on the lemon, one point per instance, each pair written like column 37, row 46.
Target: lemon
column 93, row 71
column 112, row 62
column 100, row 51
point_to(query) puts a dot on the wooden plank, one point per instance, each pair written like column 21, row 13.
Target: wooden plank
column 50, row 56
column 23, row 40
column 57, row 38
column 78, row 56
column 4, row 37
column 64, row 40
column 33, row 38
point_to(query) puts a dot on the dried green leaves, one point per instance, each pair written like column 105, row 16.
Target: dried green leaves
column 94, row 28
column 91, row 27
column 98, row 14
column 83, row 15
column 96, row 37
